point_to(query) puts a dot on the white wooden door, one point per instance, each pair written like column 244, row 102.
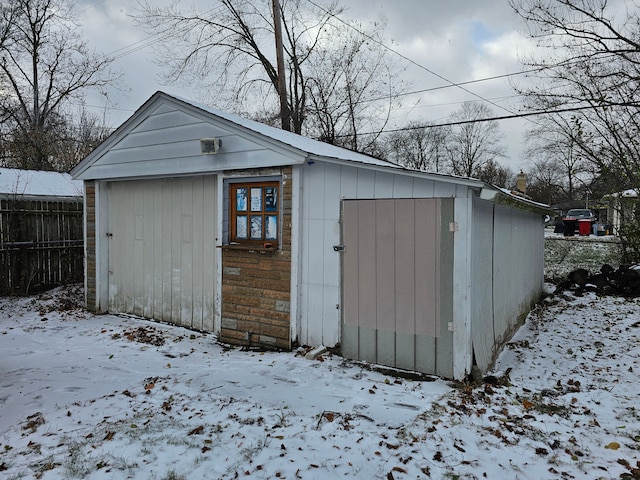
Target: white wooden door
column 162, row 249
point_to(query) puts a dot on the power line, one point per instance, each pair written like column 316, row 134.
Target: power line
column 481, row 120
column 453, row 84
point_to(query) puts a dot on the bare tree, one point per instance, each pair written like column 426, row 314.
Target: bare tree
column 44, row 66
column 555, row 141
column 591, row 64
column 340, row 83
column 495, row 174
column 473, row 141
column 418, row 146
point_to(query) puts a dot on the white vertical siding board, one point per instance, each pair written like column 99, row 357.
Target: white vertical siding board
column 366, row 183
column 316, row 190
column 423, row 188
column 209, row 252
column 199, row 219
column 482, row 281
column 315, row 285
column 316, row 250
column 304, row 314
column 503, row 268
column 167, row 252
column 316, row 308
column 129, row 241
column 186, row 262
column 330, row 315
column 383, row 187
column 294, row 299
column 348, row 182
column 331, row 195
column 176, row 252
column 112, row 304
column 331, row 259
column 102, row 246
column 462, row 349
column 444, row 190
column 148, row 221
column 402, row 186
column 158, row 240
column 138, row 300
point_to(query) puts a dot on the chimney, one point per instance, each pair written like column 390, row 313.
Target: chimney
column 521, row 183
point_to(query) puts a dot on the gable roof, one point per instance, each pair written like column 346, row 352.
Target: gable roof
column 203, row 121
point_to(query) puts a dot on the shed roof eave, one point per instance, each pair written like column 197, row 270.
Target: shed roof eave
column 500, row 197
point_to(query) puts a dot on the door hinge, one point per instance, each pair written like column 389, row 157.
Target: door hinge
column 453, row 226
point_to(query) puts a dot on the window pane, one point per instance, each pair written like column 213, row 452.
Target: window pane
column 271, row 229
column 241, row 199
column 271, row 199
column 241, row 226
column 256, row 227
column 256, row 199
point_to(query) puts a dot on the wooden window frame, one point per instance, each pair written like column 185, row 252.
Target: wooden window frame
column 251, row 211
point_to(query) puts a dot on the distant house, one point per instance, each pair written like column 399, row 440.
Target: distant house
column 41, row 230
column 203, row 219
column 622, row 208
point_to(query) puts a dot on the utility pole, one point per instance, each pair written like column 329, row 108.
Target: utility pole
column 282, row 84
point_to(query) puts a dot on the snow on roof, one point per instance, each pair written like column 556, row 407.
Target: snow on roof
column 38, row 183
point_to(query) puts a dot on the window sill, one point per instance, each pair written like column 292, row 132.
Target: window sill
column 248, row 248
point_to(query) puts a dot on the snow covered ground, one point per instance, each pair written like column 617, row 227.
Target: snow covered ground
column 108, row 397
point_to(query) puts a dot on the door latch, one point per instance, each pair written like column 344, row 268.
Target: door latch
column 339, row 248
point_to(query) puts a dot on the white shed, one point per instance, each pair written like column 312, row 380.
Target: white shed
column 206, row 220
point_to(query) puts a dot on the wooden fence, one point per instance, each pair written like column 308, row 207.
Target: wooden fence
column 41, row 244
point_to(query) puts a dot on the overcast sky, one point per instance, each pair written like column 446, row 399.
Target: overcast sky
column 456, row 40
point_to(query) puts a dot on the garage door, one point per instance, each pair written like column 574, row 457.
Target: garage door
column 162, row 249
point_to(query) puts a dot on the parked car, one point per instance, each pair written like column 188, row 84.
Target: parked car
column 580, row 214
column 573, row 218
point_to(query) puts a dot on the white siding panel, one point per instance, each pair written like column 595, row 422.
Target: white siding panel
column 162, row 258
column 331, row 234
column 402, row 186
column 348, row 179
column 193, row 132
column 444, row 190
column 423, row 188
column 383, row 185
column 366, row 183
column 482, row 275
column 164, row 120
column 518, row 267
